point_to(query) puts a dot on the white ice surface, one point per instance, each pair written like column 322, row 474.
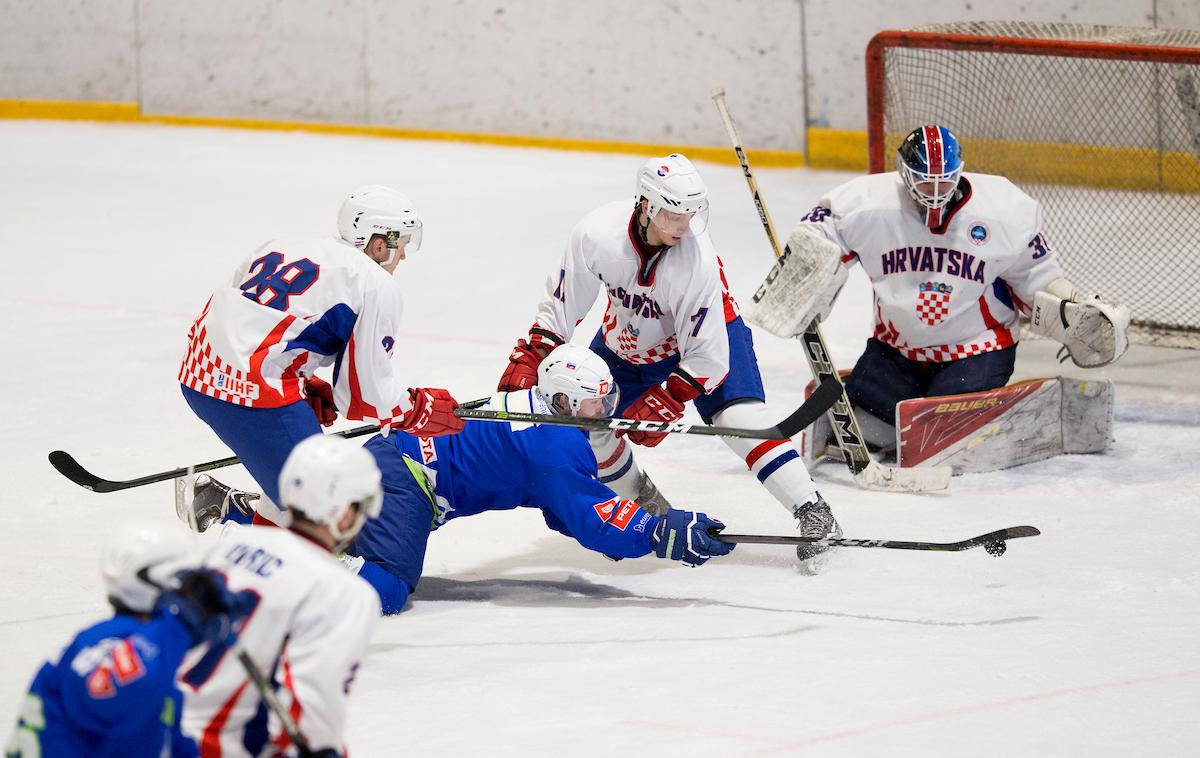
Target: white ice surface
column 1080, row 642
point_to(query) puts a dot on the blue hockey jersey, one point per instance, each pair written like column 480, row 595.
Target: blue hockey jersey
column 491, row 466
column 111, row 693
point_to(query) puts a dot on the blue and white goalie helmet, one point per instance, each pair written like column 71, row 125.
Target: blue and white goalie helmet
column 141, row 560
column 930, row 164
column 574, row 381
column 376, row 209
column 325, row 476
column 673, row 187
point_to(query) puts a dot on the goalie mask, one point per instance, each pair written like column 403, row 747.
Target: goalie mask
column 574, row 381
column 930, row 164
column 676, row 196
column 376, row 209
column 324, row 477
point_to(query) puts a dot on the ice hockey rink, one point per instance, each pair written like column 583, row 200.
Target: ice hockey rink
column 1081, row 641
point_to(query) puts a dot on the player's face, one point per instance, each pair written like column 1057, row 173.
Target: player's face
column 667, row 228
column 936, row 192
column 385, row 253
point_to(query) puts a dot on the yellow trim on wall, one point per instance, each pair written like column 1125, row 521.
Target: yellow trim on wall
column 69, row 111
column 837, row 150
column 75, row 111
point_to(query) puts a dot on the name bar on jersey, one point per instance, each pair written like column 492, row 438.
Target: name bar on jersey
column 934, row 259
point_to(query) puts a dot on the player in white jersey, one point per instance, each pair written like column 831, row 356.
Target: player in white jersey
column 672, row 333
column 296, row 305
column 953, row 258
column 312, row 620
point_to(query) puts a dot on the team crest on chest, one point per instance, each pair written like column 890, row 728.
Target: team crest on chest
column 933, row 302
column 979, row 233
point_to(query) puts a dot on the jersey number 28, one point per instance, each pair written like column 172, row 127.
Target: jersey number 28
column 273, row 282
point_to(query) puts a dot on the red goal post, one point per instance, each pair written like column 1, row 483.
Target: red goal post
column 1101, row 124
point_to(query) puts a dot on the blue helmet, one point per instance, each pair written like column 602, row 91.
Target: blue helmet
column 930, row 163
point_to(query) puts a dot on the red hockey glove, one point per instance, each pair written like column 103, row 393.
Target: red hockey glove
column 659, row 403
column 523, row 363
column 319, row 396
column 432, row 413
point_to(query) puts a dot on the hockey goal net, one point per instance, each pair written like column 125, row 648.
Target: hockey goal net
column 1101, row 124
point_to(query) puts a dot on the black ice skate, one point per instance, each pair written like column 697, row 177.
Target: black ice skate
column 211, row 501
column 816, row 521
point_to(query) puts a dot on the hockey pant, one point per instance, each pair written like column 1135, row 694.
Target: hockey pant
column 738, row 401
column 262, row 438
column 393, row 545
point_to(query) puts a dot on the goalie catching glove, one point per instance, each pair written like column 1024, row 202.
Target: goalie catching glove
column 801, row 287
column 1092, row 331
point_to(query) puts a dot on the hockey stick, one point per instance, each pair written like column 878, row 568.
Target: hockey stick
column 65, row 464
column 868, row 473
column 993, row 542
column 272, row 701
column 819, row 402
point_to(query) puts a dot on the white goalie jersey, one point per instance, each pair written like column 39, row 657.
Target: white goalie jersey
column 953, row 291
column 289, row 308
column 309, row 631
column 659, row 305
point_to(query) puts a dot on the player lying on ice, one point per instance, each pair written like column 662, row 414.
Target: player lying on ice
column 111, row 693
column 492, row 466
column 672, row 334
column 954, row 259
column 298, row 304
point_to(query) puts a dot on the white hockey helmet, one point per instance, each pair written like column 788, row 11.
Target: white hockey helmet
column 140, row 561
column 326, row 475
column 582, row 378
column 376, row 209
column 672, row 185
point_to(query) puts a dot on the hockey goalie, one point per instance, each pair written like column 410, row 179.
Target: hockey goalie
column 954, row 261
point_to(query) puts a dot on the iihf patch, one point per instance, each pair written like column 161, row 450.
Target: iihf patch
column 979, row 234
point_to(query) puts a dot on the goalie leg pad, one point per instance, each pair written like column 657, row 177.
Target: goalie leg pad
column 996, row 429
column 800, row 287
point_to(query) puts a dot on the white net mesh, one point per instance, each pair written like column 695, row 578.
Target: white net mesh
column 1107, row 144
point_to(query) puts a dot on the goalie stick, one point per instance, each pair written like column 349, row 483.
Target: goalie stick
column 819, row 402
column 993, row 542
column 868, row 473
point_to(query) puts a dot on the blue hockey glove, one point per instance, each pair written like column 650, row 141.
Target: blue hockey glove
column 205, row 606
column 683, row 536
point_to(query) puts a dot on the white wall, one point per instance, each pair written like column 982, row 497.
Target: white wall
column 610, row 70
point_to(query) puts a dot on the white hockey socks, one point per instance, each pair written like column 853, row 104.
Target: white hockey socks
column 775, row 463
column 618, row 470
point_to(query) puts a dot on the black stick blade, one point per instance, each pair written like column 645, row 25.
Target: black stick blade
column 817, row 404
column 64, row 464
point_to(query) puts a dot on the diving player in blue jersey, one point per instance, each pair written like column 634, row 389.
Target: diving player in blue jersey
column 500, row 466
column 491, row 466
column 112, row 691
